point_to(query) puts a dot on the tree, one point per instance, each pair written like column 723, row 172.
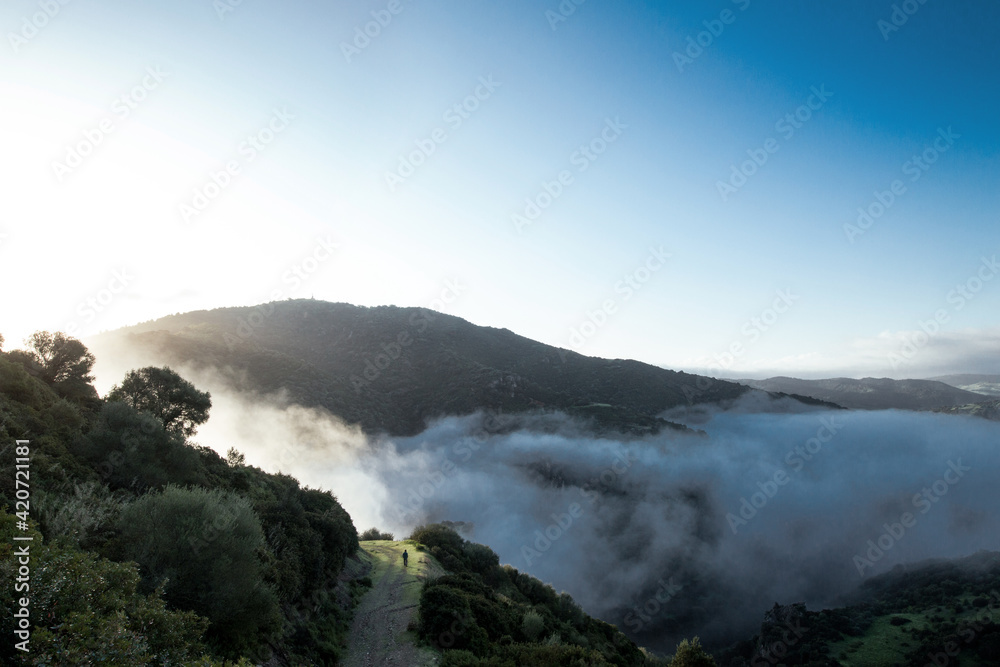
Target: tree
column 61, row 362
column 202, row 547
column 132, row 450
column 691, row 654
column 87, row 610
column 375, row 534
column 235, row 458
column 167, row 396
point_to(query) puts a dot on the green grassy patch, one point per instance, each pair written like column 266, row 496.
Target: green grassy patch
column 884, row 645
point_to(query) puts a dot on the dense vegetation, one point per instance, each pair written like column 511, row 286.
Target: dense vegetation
column 936, row 613
column 483, row 614
column 149, row 549
column 391, row 369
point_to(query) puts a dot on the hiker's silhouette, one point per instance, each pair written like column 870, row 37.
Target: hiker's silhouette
column 406, row 557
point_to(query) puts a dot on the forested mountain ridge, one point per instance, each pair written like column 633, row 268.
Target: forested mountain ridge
column 392, row 369
column 872, row 393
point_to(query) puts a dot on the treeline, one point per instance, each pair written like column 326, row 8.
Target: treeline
column 149, row 549
column 483, row 614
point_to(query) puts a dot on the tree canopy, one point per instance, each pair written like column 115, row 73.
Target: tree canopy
column 60, row 361
column 167, row 396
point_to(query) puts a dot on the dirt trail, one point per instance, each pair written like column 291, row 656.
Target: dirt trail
column 378, row 633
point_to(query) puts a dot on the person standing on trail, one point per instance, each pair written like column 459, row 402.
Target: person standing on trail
column 406, row 557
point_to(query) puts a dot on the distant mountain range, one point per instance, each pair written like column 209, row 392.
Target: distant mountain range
column 873, row 393
column 392, row 369
column 986, row 409
column 988, row 385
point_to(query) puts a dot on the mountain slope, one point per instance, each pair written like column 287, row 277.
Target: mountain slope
column 986, row 409
column 391, row 369
column 936, row 612
column 988, row 385
column 872, row 393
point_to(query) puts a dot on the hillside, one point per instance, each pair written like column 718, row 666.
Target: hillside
column 147, row 549
column 392, row 369
column 938, row 612
column 988, row 385
column 985, row 409
column 872, row 393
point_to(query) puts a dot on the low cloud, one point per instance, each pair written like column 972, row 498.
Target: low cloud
column 666, row 536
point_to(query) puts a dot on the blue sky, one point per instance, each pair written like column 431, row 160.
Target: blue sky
column 761, row 281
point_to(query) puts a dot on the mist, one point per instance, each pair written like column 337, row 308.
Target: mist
column 666, row 536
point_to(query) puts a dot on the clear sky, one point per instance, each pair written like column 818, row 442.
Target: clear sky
column 686, row 175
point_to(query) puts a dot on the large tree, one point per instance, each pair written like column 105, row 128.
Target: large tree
column 62, row 362
column 204, row 549
column 167, row 396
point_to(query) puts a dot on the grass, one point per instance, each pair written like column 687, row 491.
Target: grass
column 387, row 574
column 882, row 645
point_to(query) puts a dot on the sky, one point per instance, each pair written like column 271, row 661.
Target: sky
column 732, row 187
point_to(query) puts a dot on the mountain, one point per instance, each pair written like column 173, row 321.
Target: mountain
column 872, row 393
column 985, row 409
column 988, row 385
column 392, row 369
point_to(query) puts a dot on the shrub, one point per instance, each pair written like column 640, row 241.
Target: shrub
column 202, row 547
column 132, row 450
column 532, row 625
column 691, row 654
column 375, row 534
column 102, row 618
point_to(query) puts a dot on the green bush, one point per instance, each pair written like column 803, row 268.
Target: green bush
column 691, row 654
column 101, row 616
column 203, row 548
column 375, row 534
column 132, row 450
column 532, row 625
